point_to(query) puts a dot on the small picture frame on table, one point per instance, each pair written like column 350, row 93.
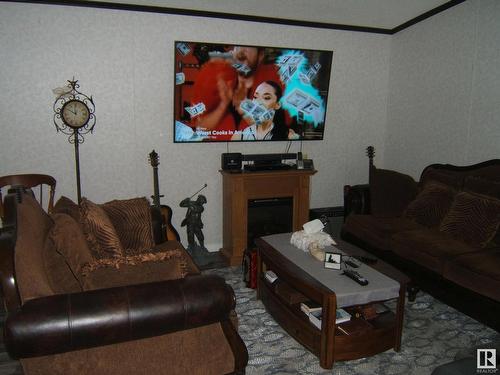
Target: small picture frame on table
column 333, row 260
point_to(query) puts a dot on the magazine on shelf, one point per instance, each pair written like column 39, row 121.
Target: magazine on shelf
column 342, row 316
column 309, row 306
column 316, row 316
column 380, row 308
column 271, row 276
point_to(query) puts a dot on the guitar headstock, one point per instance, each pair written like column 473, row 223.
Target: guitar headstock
column 154, row 159
column 370, row 152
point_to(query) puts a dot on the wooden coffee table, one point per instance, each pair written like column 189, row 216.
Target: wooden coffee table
column 282, row 300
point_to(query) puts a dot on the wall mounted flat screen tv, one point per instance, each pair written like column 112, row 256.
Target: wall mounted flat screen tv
column 239, row 93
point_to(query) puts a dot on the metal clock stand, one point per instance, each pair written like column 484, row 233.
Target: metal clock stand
column 74, row 116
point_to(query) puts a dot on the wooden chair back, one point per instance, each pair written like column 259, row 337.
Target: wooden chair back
column 30, row 181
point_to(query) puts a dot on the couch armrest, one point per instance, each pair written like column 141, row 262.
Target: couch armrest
column 66, row 322
column 356, row 199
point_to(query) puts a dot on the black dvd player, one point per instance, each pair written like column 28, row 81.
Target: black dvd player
column 267, row 167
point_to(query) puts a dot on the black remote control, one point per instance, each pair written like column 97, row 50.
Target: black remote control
column 356, row 277
column 366, row 260
column 351, row 263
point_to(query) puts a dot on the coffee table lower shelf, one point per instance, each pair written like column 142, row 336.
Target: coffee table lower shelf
column 374, row 337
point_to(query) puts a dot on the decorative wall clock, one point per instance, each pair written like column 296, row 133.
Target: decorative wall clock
column 73, row 110
column 74, row 116
column 75, row 113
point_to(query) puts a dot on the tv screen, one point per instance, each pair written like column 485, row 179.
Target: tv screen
column 243, row 93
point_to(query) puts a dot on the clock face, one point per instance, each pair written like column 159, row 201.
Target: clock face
column 75, row 113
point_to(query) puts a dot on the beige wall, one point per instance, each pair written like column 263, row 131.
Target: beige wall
column 427, row 94
column 125, row 60
column 444, row 101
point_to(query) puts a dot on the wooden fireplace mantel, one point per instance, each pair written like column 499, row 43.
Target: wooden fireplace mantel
column 238, row 188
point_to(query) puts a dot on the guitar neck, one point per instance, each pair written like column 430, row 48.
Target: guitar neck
column 156, row 187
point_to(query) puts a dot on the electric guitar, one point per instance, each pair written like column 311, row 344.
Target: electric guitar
column 168, row 232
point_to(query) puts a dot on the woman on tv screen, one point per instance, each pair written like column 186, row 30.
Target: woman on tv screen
column 264, row 115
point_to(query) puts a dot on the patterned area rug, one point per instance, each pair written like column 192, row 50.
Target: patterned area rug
column 433, row 334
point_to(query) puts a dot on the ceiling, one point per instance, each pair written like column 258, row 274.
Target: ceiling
column 388, row 15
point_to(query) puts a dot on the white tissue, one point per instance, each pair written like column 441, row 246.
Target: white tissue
column 303, row 240
column 313, row 226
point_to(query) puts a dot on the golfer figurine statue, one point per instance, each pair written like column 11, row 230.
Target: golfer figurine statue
column 193, row 222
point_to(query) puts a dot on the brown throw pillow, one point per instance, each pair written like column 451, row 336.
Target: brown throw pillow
column 132, row 221
column 67, row 255
column 99, row 231
column 66, row 206
column 431, row 204
column 472, row 218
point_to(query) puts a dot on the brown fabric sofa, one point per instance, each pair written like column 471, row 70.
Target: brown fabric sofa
column 73, row 309
column 443, row 231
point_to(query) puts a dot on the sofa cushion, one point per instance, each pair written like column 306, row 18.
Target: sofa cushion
column 489, row 171
column 70, row 246
column 431, row 204
column 479, row 272
column 482, row 186
column 453, row 179
column 390, row 192
column 487, row 187
column 60, row 276
column 167, row 261
column 99, row 231
column 427, row 247
column 132, row 221
column 472, row 218
column 33, row 225
column 376, row 230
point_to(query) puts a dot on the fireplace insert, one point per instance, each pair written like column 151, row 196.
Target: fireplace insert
column 269, row 216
